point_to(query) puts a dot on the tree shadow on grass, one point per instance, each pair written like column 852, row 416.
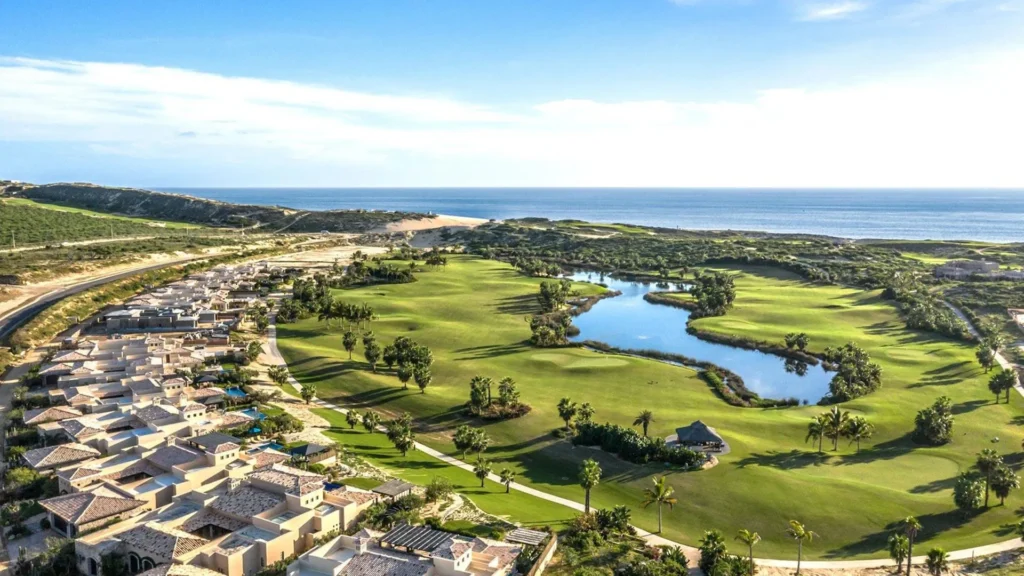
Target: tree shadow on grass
column 329, row 372
column 518, row 305
column 934, row 486
column 792, row 460
column 518, row 446
column 442, row 421
column 490, row 351
column 373, row 398
column 934, row 525
column 882, row 451
column 965, row 407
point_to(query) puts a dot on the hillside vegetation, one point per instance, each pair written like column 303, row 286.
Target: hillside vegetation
column 25, row 223
column 181, row 208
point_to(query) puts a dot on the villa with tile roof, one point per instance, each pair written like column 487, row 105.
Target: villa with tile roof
column 52, row 457
column 72, row 514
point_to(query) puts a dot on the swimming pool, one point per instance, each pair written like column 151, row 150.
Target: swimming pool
column 253, row 413
column 235, row 392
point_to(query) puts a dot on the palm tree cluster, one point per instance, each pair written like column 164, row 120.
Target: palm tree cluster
column 836, row 424
column 351, row 315
column 798, row 341
column 1002, row 382
column 855, row 375
column 468, row 439
column 483, row 403
column 999, row 478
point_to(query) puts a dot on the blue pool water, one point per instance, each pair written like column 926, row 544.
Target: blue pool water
column 629, row 321
column 235, row 392
column 254, row 413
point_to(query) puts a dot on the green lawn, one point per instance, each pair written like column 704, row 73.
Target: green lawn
column 472, row 315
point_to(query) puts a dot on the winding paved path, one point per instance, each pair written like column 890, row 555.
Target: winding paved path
column 653, row 539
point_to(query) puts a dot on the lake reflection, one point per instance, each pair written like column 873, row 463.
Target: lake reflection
column 629, row 321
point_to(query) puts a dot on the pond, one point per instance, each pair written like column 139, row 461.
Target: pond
column 629, row 321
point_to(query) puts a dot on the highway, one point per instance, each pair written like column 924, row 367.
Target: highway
column 10, row 321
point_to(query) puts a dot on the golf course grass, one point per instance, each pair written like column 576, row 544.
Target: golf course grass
column 472, row 315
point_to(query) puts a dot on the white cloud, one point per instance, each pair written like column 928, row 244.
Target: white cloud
column 956, row 124
column 832, row 10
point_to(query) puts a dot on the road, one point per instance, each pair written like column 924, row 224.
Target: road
column 10, row 321
column 1000, row 359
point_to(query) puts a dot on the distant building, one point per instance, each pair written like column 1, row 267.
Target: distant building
column 965, row 269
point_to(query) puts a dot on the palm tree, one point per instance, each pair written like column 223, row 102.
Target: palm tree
column 987, row 463
column 308, row 392
column 836, row 421
column 661, row 494
column 801, row 534
column 750, row 539
column 566, row 410
column 816, row 431
column 349, row 340
column 584, row 413
column 352, row 418
column 1003, row 482
column 370, row 421
column 481, row 470
column 590, row 475
column 507, row 478
column 911, row 526
column 937, row 562
column 857, row 429
column 645, row 418
column 898, row 550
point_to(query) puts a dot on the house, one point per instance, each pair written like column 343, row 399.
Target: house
column 313, row 454
column 72, row 514
column 52, row 457
column 408, row 551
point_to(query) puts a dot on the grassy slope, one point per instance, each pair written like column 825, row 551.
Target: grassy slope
column 153, row 225
column 472, row 317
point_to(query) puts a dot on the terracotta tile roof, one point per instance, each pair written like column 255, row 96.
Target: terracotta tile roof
column 55, row 368
column 246, row 502
column 51, row 414
column 80, row 429
column 170, row 456
column 194, row 407
column 59, row 455
column 78, row 473
column 70, row 356
column 206, row 392
column 503, row 552
column 85, row 507
column 292, row 480
column 352, row 495
column 215, row 442
column 268, row 457
column 378, row 565
column 452, row 548
column 233, row 419
column 209, row 516
column 180, row 570
column 160, row 540
column 140, row 467
column 156, row 412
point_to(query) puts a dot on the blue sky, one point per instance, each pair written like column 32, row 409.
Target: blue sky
column 514, row 93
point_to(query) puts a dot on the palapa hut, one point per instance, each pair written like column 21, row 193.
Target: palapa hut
column 700, row 435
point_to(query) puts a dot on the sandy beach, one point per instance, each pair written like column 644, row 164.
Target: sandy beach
column 438, row 221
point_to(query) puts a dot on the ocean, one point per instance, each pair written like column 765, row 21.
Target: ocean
column 988, row 215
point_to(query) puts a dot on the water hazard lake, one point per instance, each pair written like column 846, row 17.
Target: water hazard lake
column 629, row 321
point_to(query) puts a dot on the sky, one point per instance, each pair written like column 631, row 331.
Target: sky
column 666, row 93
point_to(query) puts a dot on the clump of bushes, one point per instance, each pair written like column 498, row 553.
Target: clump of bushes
column 629, row 445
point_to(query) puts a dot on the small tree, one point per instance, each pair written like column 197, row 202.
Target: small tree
column 660, row 494
column 750, row 539
column 405, row 373
column 712, row 551
column 987, row 463
column 585, row 412
column 508, row 393
column 372, row 353
column 1004, row 481
column 934, row 425
column 801, row 534
column 937, row 561
column 986, row 357
column 353, row 419
column 308, row 392
column 644, row 420
column 349, row 340
column 968, row 492
column 370, row 421
column 590, row 475
column 423, row 378
column 857, row 429
column 463, row 439
column 508, row 476
column 481, row 470
column 1002, row 382
column 898, row 545
column 911, row 527
column 566, row 410
column 817, row 429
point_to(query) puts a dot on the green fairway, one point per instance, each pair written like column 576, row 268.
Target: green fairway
column 473, row 316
